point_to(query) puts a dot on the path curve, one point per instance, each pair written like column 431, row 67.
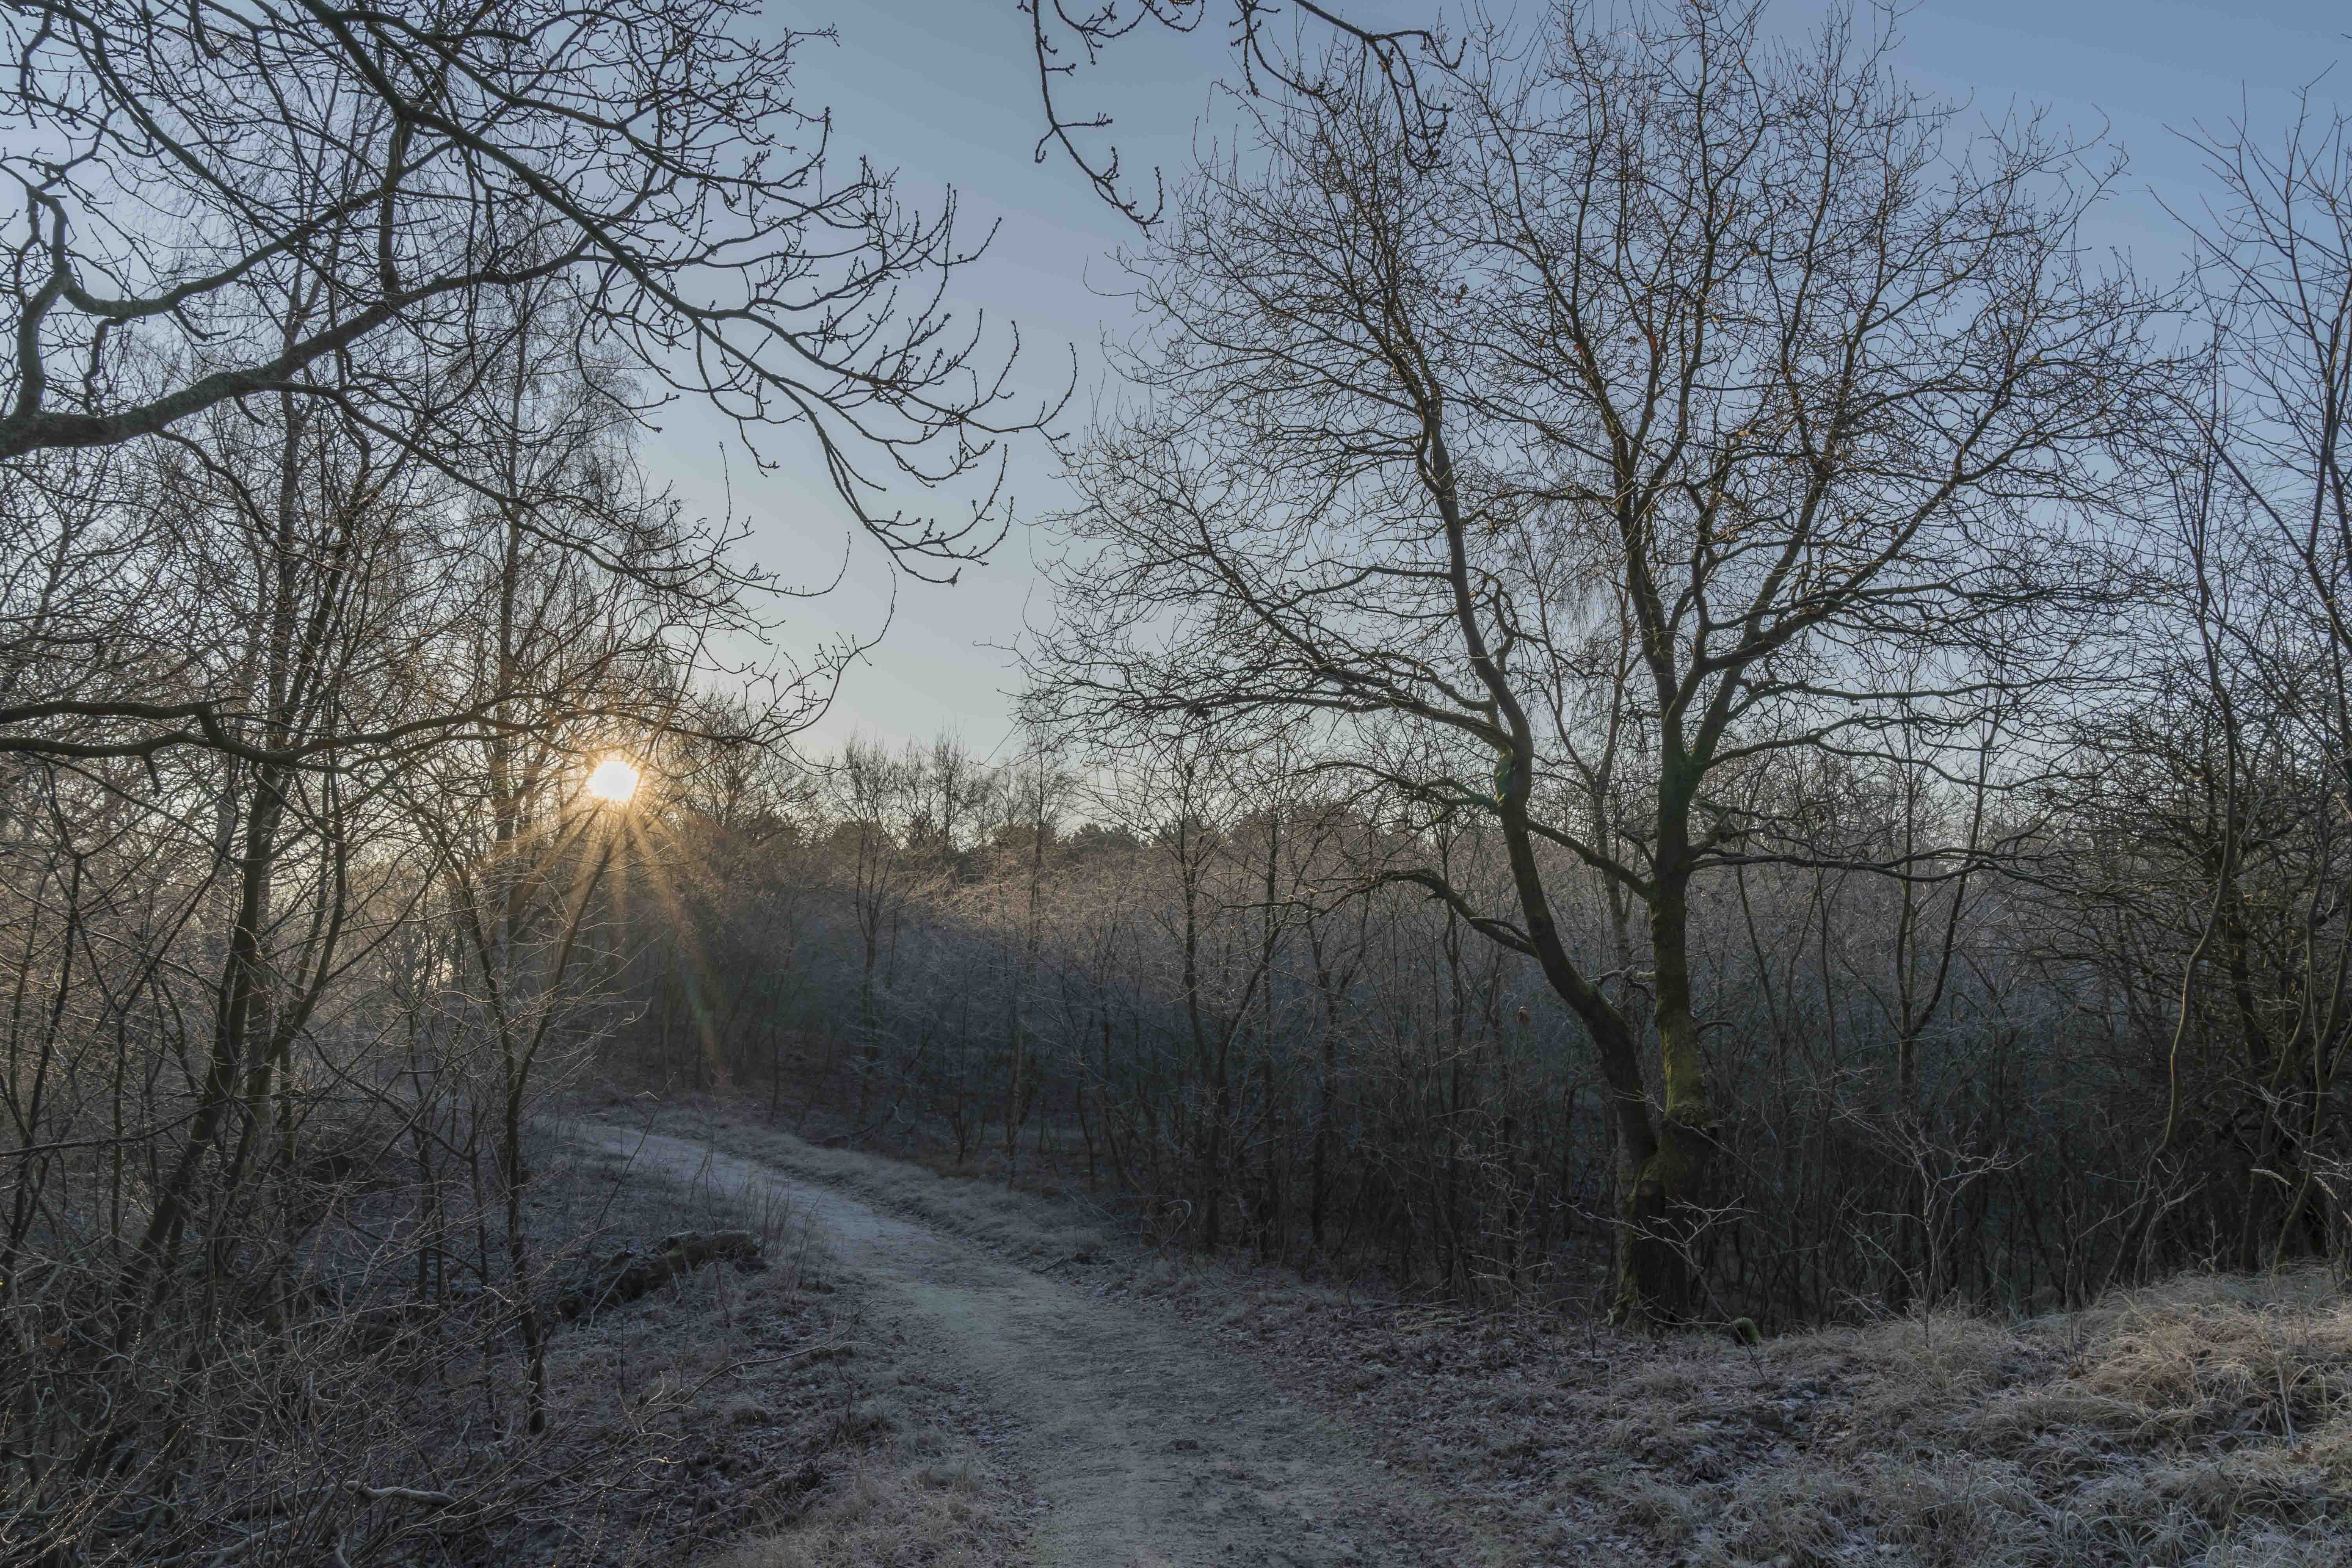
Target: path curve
column 1149, row 1443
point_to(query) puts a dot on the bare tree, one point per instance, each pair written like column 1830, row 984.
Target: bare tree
column 1737, row 346
column 346, row 207
column 876, row 795
column 2259, row 793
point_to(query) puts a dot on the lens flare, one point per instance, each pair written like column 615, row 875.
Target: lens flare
column 614, row 781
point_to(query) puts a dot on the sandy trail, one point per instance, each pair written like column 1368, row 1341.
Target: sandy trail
column 1149, row 1443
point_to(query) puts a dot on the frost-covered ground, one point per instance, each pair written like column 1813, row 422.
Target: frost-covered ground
column 1242, row 1415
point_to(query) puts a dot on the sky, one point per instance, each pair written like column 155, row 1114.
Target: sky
column 945, row 91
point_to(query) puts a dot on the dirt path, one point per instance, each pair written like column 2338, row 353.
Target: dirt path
column 1148, row 1443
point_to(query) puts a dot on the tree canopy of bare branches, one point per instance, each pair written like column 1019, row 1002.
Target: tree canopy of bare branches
column 1709, row 405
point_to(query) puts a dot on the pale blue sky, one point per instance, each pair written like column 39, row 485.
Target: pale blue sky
column 945, row 90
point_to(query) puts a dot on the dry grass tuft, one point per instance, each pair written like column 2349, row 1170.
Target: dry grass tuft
column 884, row 1516
column 2204, row 1360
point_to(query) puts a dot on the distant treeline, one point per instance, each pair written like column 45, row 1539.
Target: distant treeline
column 1188, row 985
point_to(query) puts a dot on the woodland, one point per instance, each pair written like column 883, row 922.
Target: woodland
column 1669, row 700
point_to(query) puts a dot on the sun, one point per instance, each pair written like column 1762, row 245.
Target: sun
column 613, row 781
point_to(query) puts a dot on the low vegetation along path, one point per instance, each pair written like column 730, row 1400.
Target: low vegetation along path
column 1148, row 1443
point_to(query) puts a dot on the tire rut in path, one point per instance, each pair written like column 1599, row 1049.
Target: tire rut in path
column 1150, row 1444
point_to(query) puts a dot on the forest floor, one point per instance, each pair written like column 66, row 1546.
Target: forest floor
column 1144, row 1440
column 724, row 1403
column 1101, row 1403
